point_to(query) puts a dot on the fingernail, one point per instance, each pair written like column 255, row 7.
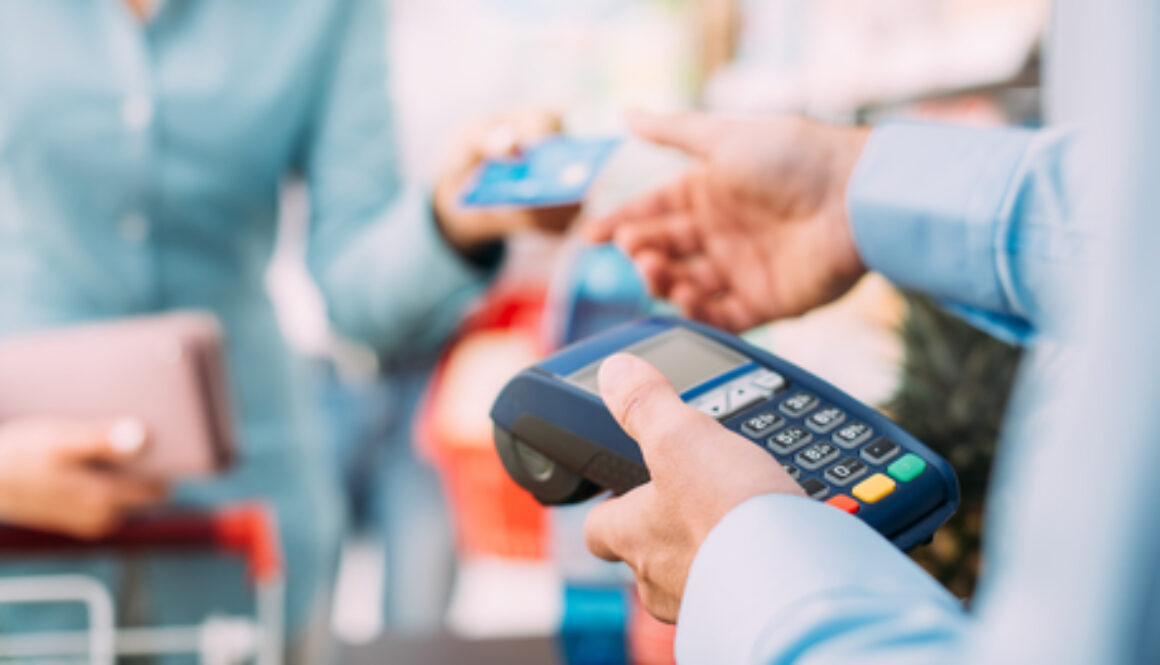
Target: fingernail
column 127, row 436
column 615, row 370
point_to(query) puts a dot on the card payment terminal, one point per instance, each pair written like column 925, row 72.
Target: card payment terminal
column 557, row 439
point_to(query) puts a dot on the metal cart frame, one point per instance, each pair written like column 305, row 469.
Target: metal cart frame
column 248, row 531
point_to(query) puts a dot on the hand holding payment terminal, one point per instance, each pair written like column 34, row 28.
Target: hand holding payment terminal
column 558, row 440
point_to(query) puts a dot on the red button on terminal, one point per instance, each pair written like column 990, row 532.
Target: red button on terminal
column 843, row 502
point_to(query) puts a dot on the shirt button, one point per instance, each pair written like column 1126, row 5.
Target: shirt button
column 134, row 229
column 136, row 112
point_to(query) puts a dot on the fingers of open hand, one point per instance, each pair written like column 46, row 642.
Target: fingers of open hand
column 728, row 311
column 692, row 282
column 694, row 133
column 670, row 199
column 672, row 233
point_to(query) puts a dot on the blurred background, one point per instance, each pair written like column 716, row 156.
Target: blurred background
column 444, row 559
column 437, row 543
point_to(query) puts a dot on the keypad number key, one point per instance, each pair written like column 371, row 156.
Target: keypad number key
column 825, row 419
column 846, row 471
column 852, row 434
column 790, row 439
column 880, row 451
column 798, row 404
column 761, row 424
column 815, row 489
column 816, row 455
column 791, row 470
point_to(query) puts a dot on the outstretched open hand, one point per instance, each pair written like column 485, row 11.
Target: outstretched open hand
column 757, row 230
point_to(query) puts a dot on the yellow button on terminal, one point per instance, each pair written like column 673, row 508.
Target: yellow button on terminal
column 874, row 488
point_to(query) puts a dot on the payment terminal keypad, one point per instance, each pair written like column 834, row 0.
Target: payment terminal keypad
column 834, row 456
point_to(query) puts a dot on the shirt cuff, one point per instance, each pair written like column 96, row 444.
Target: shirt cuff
column 929, row 204
column 774, row 559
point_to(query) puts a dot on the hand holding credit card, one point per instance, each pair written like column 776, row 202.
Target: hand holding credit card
column 554, row 172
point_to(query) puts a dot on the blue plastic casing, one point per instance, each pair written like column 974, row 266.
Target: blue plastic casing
column 577, row 449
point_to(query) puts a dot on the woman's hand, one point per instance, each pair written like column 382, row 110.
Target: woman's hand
column 498, row 138
column 757, row 230
column 69, row 476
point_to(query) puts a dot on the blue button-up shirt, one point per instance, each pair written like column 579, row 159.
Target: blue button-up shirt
column 1047, row 237
column 140, row 167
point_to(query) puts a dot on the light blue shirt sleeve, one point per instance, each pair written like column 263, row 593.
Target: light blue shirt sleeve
column 785, row 579
column 388, row 276
column 975, row 217
column 981, row 220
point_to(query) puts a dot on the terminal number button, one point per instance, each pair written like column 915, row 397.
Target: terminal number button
column 790, row 439
column 762, row 424
column 874, row 488
column 852, row 434
column 846, row 471
column 906, row 468
column 817, row 455
column 791, row 470
column 798, row 404
column 824, row 420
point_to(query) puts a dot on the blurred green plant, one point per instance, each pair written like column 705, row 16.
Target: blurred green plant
column 954, row 389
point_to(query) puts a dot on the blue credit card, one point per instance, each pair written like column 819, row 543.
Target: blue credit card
column 556, row 171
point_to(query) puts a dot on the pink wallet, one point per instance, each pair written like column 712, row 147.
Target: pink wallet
column 166, row 370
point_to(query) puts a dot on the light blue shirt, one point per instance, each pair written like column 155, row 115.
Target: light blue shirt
column 1039, row 237
column 140, row 168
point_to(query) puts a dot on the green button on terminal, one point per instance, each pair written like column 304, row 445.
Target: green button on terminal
column 907, row 467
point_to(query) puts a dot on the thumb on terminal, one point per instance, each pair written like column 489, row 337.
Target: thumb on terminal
column 645, row 404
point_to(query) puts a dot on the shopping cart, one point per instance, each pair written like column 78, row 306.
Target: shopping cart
column 247, row 531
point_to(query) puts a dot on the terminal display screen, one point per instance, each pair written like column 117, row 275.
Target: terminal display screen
column 684, row 357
